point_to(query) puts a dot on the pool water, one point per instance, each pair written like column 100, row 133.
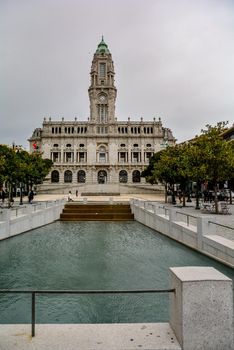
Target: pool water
column 92, row 255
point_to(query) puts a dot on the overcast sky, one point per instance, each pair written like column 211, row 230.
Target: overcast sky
column 173, row 59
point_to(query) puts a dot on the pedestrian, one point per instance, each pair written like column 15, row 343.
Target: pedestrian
column 3, row 195
column 180, row 195
column 30, row 196
column 69, row 198
column 76, row 193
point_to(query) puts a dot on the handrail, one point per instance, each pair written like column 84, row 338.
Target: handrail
column 187, row 215
column 215, row 223
column 192, row 216
column 34, row 292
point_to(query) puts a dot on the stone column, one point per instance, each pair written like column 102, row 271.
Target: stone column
column 201, row 310
column 204, row 228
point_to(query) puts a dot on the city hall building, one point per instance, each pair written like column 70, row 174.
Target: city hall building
column 100, row 154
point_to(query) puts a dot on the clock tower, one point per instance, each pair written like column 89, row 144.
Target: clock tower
column 102, row 91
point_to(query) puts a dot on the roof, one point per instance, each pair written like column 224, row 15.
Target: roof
column 102, row 47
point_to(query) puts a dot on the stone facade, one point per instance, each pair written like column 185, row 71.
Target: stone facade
column 101, row 150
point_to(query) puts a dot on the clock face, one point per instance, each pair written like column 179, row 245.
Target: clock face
column 102, row 98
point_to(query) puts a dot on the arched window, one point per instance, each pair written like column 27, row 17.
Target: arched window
column 135, row 145
column 122, row 145
column 68, row 176
column 81, row 176
column 136, row 176
column 55, row 145
column 148, row 145
column 55, row 176
column 123, row 176
column 81, row 145
column 68, row 145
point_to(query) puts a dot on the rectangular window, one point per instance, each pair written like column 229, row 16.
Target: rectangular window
column 102, row 157
column 148, row 155
column 82, row 157
column 102, row 70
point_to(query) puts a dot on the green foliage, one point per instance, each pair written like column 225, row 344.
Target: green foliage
column 206, row 158
column 19, row 166
column 148, row 172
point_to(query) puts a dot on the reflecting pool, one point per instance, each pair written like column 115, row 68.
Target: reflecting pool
column 91, row 255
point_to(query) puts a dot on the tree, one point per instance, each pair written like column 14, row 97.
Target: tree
column 37, row 169
column 20, row 167
column 164, row 167
column 217, row 156
column 208, row 157
column 148, row 172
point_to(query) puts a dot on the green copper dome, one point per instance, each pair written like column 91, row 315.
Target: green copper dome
column 102, row 47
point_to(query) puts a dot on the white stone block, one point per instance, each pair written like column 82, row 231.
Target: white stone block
column 201, row 310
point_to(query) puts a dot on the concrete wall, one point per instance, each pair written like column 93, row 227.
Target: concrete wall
column 201, row 309
column 19, row 220
column 194, row 232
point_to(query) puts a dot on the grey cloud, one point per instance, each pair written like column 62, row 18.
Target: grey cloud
column 173, row 59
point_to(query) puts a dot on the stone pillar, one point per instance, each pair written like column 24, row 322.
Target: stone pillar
column 204, row 228
column 201, row 310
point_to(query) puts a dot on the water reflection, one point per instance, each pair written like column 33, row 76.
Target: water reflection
column 92, row 255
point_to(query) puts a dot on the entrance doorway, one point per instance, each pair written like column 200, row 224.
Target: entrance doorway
column 102, row 177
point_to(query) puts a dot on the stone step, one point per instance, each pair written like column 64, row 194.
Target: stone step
column 96, row 216
column 96, row 209
column 113, row 194
column 96, row 212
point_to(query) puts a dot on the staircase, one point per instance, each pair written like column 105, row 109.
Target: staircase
column 96, row 212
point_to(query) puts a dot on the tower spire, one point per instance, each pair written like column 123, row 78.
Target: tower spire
column 102, row 47
column 102, row 91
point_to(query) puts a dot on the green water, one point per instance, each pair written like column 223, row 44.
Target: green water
column 91, row 255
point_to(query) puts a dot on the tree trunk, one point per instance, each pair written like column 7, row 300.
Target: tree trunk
column 184, row 202
column 216, row 198
column 165, row 193
column 197, row 195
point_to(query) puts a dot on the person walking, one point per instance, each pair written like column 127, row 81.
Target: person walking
column 30, row 196
column 69, row 198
